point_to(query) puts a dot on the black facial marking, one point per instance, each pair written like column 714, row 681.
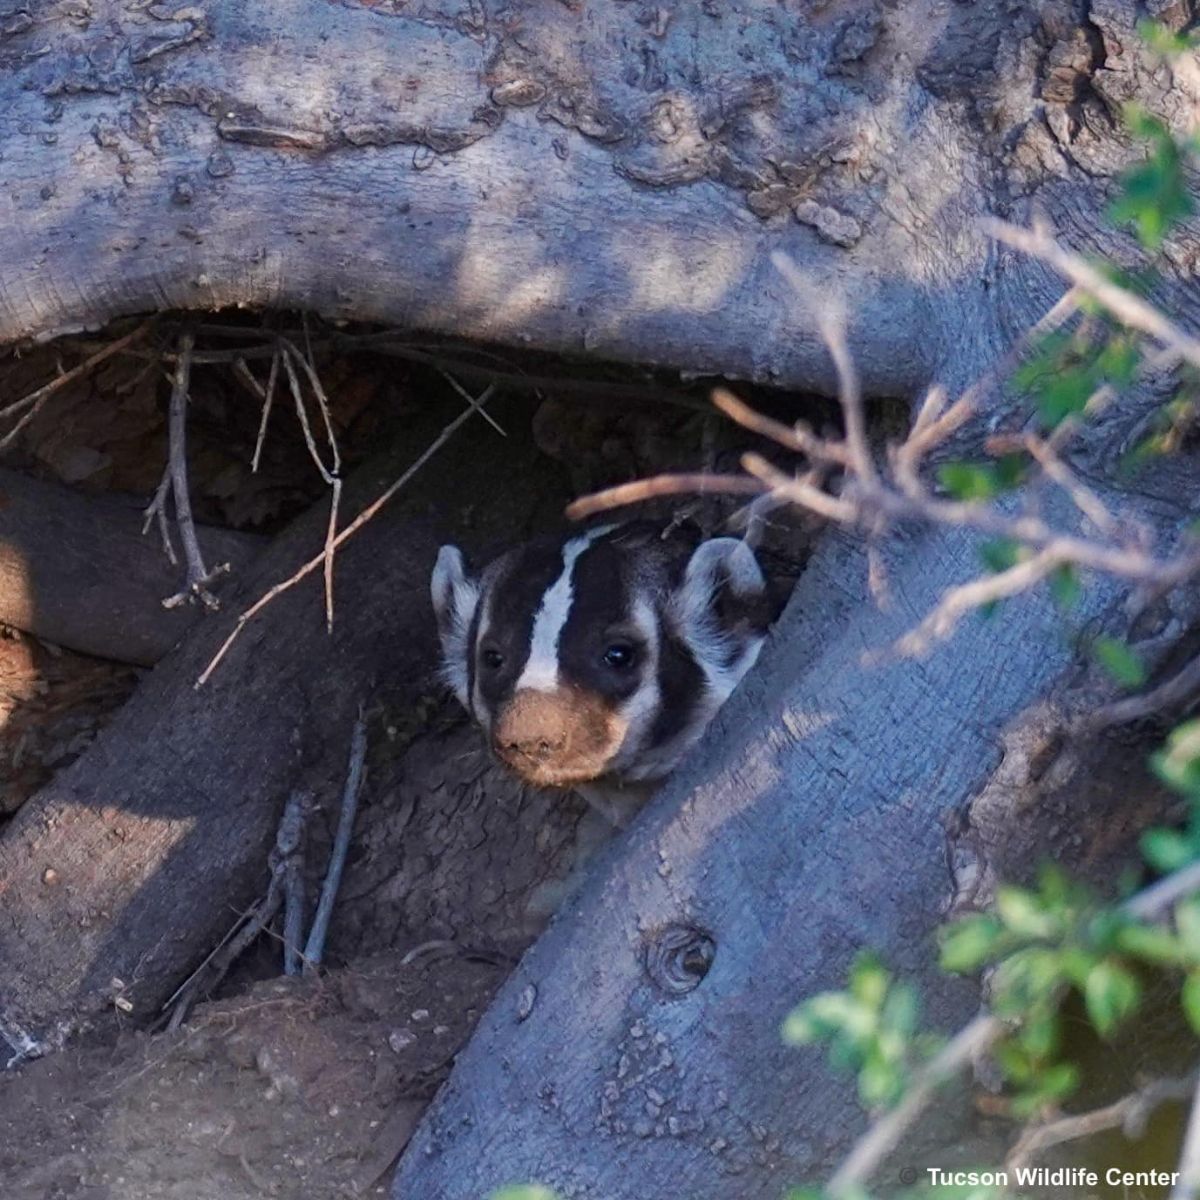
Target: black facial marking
column 682, row 685
column 513, row 589
column 598, row 622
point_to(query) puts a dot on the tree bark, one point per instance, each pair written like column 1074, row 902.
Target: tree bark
column 77, row 570
column 610, row 180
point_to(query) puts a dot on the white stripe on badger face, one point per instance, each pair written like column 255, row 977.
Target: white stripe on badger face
column 541, row 667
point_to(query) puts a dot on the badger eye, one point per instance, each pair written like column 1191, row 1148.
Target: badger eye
column 619, row 656
column 492, row 659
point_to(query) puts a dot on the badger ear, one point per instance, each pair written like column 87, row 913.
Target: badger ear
column 455, row 593
column 720, row 610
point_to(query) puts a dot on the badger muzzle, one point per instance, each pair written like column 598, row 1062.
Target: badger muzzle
column 557, row 738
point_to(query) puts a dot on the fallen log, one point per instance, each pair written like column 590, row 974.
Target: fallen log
column 122, row 873
column 76, row 570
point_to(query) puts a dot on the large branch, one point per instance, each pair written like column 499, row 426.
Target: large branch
column 132, row 863
column 77, row 570
column 610, row 179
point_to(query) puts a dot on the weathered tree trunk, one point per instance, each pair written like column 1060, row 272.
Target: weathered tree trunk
column 78, row 571
column 831, row 812
column 612, row 179
column 609, row 179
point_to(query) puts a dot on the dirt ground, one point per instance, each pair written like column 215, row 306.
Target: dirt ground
column 296, row 1088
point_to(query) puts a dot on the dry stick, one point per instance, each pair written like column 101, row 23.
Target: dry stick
column 1180, row 687
column 1129, row 1114
column 268, row 399
column 314, row 380
column 351, row 529
column 314, row 949
column 968, row 1044
column 967, row 597
column 198, row 575
column 288, row 839
column 335, row 500
column 35, row 400
column 291, row 356
column 796, row 437
column 157, row 510
column 1129, row 309
column 293, row 891
column 462, row 391
column 1187, row 1186
column 662, row 485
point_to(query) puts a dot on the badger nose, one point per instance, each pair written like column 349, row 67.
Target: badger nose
column 531, row 727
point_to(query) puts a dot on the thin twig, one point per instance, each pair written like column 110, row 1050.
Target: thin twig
column 212, row 970
column 350, row 530
column 268, row 399
column 156, row 510
column 884, row 1135
column 978, row 593
column 662, row 485
column 314, row 949
column 833, row 330
column 798, row 437
column 1129, row 1114
column 335, row 500
column 465, row 395
column 1129, row 309
column 1181, row 687
column 35, row 400
column 198, row 576
column 290, row 358
column 300, row 804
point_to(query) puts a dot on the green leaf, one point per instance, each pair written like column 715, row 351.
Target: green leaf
column 966, row 481
column 1151, row 944
column 1065, row 588
column 524, row 1191
column 1065, row 395
column 1187, row 923
column 1121, row 663
column 1165, row 850
column 1111, row 994
column 1119, row 359
column 1000, row 554
column 869, row 980
column 1022, row 912
column 880, row 1082
column 968, row 944
column 1190, row 999
column 1178, row 764
column 1165, row 41
column 1154, row 194
column 1040, row 1035
column 901, row 1010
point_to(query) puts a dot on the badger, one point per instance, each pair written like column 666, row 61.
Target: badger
column 599, row 657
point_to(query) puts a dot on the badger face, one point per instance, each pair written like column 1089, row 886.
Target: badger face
column 604, row 655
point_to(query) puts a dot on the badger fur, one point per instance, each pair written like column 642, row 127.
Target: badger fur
column 601, row 656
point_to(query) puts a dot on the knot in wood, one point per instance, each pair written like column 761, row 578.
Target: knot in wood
column 678, row 957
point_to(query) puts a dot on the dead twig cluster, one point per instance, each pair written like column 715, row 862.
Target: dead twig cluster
column 842, row 480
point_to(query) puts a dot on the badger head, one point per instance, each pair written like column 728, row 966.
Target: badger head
column 602, row 656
